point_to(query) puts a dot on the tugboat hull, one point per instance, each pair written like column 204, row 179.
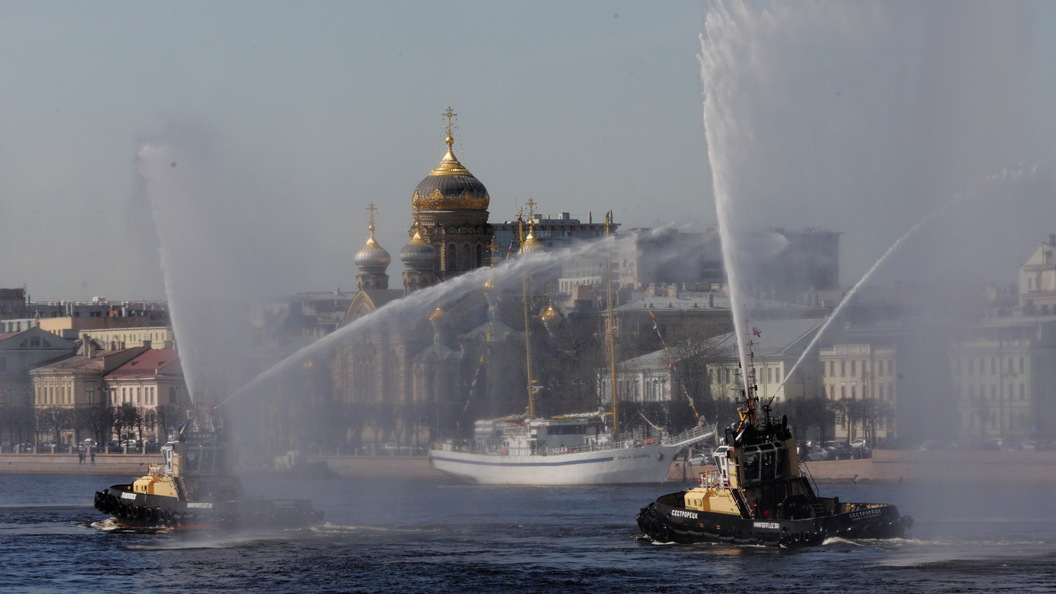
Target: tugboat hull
column 141, row 510
column 668, row 523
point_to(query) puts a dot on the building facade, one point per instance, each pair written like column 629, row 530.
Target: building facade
column 860, row 380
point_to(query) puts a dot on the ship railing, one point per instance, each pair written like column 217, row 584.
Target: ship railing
column 693, row 435
column 711, row 479
column 548, row 451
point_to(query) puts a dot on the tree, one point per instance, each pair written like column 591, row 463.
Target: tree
column 820, row 413
column 127, row 417
column 54, row 420
column 100, row 421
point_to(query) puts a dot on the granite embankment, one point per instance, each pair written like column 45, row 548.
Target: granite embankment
column 886, row 466
column 943, row 467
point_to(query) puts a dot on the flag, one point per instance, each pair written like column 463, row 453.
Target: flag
column 756, row 332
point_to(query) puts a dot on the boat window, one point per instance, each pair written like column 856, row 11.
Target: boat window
column 751, row 467
column 763, row 462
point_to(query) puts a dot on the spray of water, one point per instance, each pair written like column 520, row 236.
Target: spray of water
column 216, row 257
column 718, row 46
column 419, row 304
column 1005, row 175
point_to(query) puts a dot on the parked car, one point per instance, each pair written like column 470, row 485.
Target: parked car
column 819, row 455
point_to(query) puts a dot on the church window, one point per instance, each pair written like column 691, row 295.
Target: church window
column 450, row 264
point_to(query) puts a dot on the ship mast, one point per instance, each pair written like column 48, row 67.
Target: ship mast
column 611, row 333
column 747, row 413
column 523, row 241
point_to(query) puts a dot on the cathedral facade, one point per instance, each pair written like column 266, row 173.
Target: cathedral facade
column 399, row 380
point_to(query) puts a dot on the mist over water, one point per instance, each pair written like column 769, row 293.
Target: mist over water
column 1005, row 178
column 218, row 257
column 418, row 305
column 864, row 117
column 885, row 121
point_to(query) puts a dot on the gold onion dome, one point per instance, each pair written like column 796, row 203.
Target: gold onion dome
column 551, row 319
column 531, row 244
column 418, row 255
column 372, row 258
column 450, row 186
column 438, row 314
column 550, row 315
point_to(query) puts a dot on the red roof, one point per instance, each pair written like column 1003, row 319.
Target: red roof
column 150, row 363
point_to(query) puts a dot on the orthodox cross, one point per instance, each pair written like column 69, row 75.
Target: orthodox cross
column 371, row 210
column 450, row 115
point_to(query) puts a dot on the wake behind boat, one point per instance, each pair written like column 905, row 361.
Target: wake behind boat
column 567, row 450
column 195, row 487
column 758, row 495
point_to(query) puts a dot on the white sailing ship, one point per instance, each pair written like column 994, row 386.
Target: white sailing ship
column 567, row 450
column 577, row 449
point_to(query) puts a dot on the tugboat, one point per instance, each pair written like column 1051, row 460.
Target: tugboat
column 195, row 488
column 758, row 495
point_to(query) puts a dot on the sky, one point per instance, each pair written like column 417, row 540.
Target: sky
column 856, row 117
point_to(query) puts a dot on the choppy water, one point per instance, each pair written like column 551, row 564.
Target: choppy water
column 405, row 536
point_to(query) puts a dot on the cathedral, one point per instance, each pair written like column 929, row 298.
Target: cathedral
column 403, row 380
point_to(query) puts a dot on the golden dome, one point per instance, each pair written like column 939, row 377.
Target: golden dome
column 436, row 315
column 550, row 314
column 531, row 244
column 450, row 186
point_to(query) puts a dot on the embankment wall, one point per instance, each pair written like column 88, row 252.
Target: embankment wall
column 886, row 466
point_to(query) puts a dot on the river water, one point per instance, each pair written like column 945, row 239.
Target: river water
column 425, row 536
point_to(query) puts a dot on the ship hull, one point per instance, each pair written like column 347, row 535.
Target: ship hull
column 644, row 464
column 141, row 510
column 662, row 522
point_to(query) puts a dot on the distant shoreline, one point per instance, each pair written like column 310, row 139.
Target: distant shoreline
column 885, row 467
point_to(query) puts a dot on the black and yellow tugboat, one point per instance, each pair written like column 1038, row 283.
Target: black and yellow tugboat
column 195, row 487
column 758, row 495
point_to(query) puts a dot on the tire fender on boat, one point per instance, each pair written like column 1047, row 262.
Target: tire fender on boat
column 664, row 535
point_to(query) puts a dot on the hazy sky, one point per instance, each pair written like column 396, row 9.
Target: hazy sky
column 860, row 118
